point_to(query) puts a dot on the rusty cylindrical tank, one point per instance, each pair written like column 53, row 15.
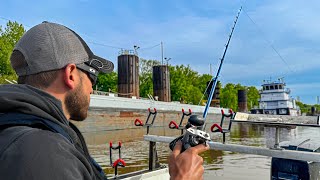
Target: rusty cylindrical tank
column 242, row 101
column 313, row 110
column 215, row 102
column 128, row 74
column 161, row 83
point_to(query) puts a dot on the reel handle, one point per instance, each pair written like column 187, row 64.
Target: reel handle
column 191, row 138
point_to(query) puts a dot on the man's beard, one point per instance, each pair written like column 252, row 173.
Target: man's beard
column 77, row 104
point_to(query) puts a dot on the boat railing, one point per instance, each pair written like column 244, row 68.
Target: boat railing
column 275, row 151
column 279, row 153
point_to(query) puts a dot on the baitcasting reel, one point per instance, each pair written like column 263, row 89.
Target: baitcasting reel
column 193, row 136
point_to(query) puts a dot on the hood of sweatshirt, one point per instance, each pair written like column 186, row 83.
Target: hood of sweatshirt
column 21, row 98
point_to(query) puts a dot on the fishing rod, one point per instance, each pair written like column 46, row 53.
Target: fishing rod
column 215, row 78
column 195, row 133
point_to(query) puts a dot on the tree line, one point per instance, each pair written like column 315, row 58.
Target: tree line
column 9, row 36
column 187, row 85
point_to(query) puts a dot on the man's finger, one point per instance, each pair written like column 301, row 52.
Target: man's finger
column 177, row 149
column 200, row 148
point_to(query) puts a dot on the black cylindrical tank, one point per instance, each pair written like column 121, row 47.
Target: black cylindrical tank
column 216, row 94
column 313, row 110
column 242, row 101
column 161, row 83
column 128, row 74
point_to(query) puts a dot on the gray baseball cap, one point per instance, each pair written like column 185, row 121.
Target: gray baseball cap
column 50, row 46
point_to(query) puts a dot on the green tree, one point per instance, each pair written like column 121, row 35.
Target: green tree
column 107, row 82
column 229, row 96
column 8, row 38
column 186, row 84
column 252, row 97
column 306, row 108
column 203, row 82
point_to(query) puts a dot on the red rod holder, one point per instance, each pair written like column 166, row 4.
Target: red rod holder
column 227, row 115
column 119, row 162
column 216, row 125
column 173, row 125
column 154, row 110
column 138, row 122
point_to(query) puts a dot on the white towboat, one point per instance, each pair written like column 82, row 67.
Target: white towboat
column 275, row 99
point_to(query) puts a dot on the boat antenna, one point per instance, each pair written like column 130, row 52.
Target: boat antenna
column 215, row 78
column 281, row 79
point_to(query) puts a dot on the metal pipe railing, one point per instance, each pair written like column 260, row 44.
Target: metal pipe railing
column 279, row 153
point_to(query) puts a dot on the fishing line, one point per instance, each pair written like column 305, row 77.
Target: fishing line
column 151, row 47
column 6, row 19
column 205, row 91
column 104, row 45
column 90, row 42
column 269, row 42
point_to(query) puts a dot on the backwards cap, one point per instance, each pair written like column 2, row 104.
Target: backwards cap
column 51, row 46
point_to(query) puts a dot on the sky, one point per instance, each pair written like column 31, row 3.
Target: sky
column 273, row 39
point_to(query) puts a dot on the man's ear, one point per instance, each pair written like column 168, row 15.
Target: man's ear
column 70, row 75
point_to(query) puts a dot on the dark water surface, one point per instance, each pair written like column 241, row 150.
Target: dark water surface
column 218, row 164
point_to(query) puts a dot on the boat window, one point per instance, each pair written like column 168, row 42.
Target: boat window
column 271, row 87
column 276, row 86
column 264, row 88
column 280, row 86
column 267, row 87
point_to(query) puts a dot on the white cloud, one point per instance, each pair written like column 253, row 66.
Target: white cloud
column 195, row 34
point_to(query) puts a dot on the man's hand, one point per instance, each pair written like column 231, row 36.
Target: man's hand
column 186, row 165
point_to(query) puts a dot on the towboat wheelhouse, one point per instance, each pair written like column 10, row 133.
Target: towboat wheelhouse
column 275, row 99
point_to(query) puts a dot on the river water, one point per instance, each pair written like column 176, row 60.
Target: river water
column 218, row 164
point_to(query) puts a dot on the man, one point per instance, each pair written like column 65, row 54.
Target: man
column 56, row 71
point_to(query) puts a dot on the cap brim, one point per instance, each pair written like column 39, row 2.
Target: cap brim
column 100, row 64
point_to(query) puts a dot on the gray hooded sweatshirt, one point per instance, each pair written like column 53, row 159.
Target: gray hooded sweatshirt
column 34, row 153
